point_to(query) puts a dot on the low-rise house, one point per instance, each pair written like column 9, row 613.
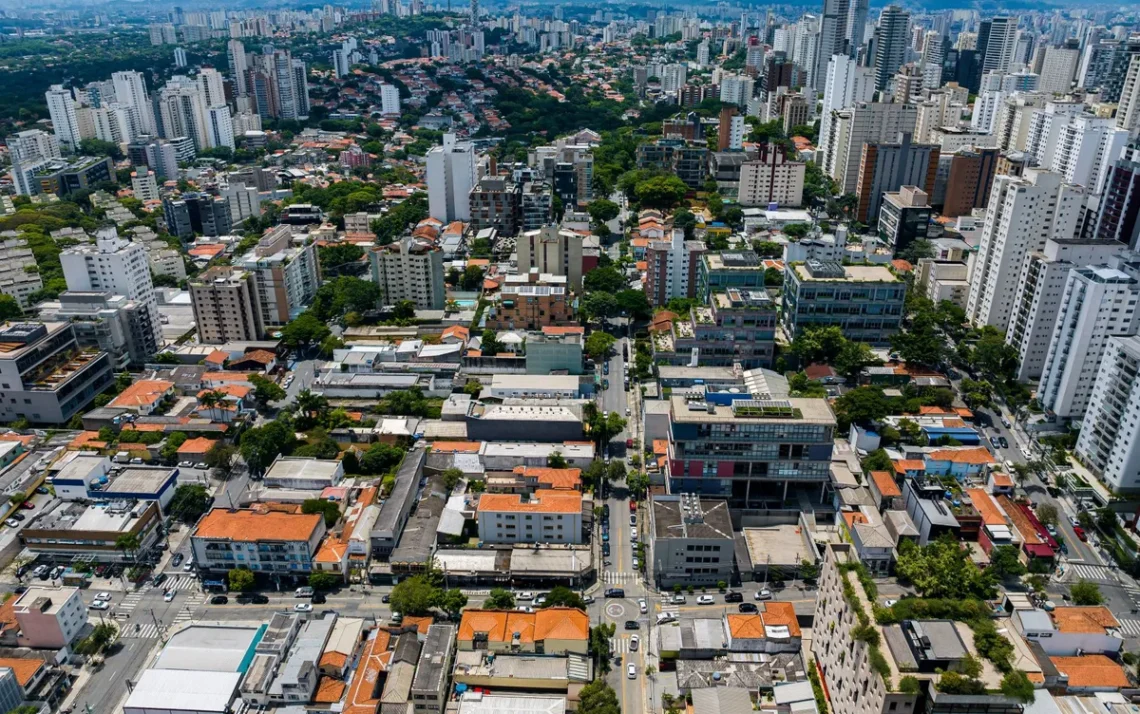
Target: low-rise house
column 550, row 631
column 1071, row 631
column 959, row 462
column 267, row 542
column 773, row 630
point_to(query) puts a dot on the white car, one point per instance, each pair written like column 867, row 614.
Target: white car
column 168, row 596
column 525, row 595
column 705, row 600
column 12, row 523
column 188, row 566
column 104, row 596
column 636, row 563
column 678, row 599
column 303, row 607
column 100, row 605
column 631, row 671
column 525, row 608
column 664, row 617
column 643, row 605
column 633, row 643
column 633, row 533
column 627, row 411
column 764, row 594
column 890, row 603
column 540, row 600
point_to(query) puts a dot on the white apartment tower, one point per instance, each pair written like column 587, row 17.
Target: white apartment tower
column 846, row 84
column 130, row 88
column 1085, row 149
column 121, row 267
column 866, row 123
column 1022, row 214
column 61, row 109
column 1098, row 302
column 239, row 67
column 1128, row 111
column 450, row 177
column 1109, row 443
column 389, row 100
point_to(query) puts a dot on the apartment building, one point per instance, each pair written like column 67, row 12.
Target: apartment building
column 1084, row 150
column 226, row 306
column 755, row 453
column 451, row 174
column 496, row 202
column 692, row 540
column 1098, row 301
column 945, row 280
column 1042, row 287
column 549, row 516
column 106, row 322
column 865, row 301
column 1023, row 213
column 552, row 250
column 737, row 327
column 46, row 377
column 887, row 167
column 533, row 301
column 671, row 268
column 1118, row 217
column 15, row 278
column 866, row 123
column 267, row 542
column 732, row 269
column 971, row 178
column 49, row 618
column 771, row 178
column 1109, row 442
column 286, row 275
column 409, row 269
column 904, row 217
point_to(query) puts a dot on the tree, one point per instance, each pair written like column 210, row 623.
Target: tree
column 380, row 458
column 562, row 596
column 953, row 683
column 306, row 330
column 942, row 569
column 661, row 192
column 686, row 221
column 593, row 474
column 818, row 345
column 1084, row 592
column 101, row 638
column 323, row 581
column 260, row 445
column 615, row 470
column 603, row 210
column 1047, row 514
column 598, row 344
column 221, row 458
column 808, row 570
column 599, row 304
column 472, row 279
column 189, row 502
column 608, row 279
column 129, row 543
column 499, row 599
column 863, row 406
column 452, row 602
column 17, row 498
column 490, row 343
column 637, row 483
column 451, row 478
column 634, row 303
column 1005, row 563
column 240, row 579
column 556, row 460
column 9, row 308
column 169, row 450
column 768, row 249
column 414, row 596
column 1017, row 685
column 600, row 647
column 329, row 509
column 265, row 390
column 404, row 309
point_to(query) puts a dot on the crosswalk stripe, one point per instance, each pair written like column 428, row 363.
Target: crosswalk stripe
column 1093, row 572
column 1130, row 627
column 619, row 645
column 620, row 577
column 144, row 632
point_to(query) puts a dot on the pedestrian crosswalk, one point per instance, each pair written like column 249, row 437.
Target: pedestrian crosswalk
column 1130, row 627
column 1097, row 573
column 620, row 577
column 619, row 645
column 182, row 582
column 141, row 631
column 129, row 602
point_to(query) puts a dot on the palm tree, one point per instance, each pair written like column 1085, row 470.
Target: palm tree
column 128, row 543
column 310, row 405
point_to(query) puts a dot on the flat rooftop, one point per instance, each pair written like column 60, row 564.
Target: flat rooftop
column 112, row 517
column 476, row 703
column 140, row 480
column 475, row 663
column 294, row 468
column 535, row 381
column 177, row 690
column 577, row 450
column 851, row 274
column 214, row 648
column 34, row 593
column 810, row 411
column 783, row 544
column 691, row 517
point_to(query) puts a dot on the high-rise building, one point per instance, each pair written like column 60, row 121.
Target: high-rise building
column 212, row 87
column 111, row 323
column 144, row 185
column 451, row 175
column 183, row 111
column 1098, row 301
column 997, row 40
column 833, row 35
column 1023, row 213
column 1128, row 111
column 1105, row 67
column 934, row 46
column 993, row 90
column 51, row 379
column 771, row 178
column 28, row 150
column 61, row 109
column 389, row 100
column 1058, row 69
column 904, row 217
column 130, row 88
column 409, row 269
column 891, row 38
column 888, row 166
column 671, row 268
column 199, row 213
column 730, row 130
column 864, row 123
column 286, row 275
column 180, row 60
column 553, row 250
column 1109, row 441
column 220, row 127
column 1118, row 216
column 971, row 178
column 846, row 84
column 226, row 307
column 1043, row 279
column 1080, row 147
column 121, row 267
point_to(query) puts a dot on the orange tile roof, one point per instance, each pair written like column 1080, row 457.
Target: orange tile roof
column 559, row 623
column 225, row 377
column 87, row 439
column 329, row 691
column 661, row 446
column 207, row 250
column 886, row 484
column 902, row 265
column 1002, row 480
column 1084, row 619
column 144, row 392
column 991, row 514
column 8, row 615
column 249, row 526
column 363, row 692
column 421, row 623
column 853, row 518
column 217, row 357
column 332, row 550
column 747, row 627
column 641, row 265
column 25, row 669
column 775, row 614
column 259, row 356
column 544, row 501
column 1020, row 521
column 459, row 331
column 902, row 465
column 238, row 391
column 552, row 330
column 456, row 447
column 333, row 659
column 26, row 440
column 552, row 478
column 978, row 456
column 1091, row 671
column 481, row 262
column 199, row 445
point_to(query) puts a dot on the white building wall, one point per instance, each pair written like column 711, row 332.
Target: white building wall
column 1109, row 442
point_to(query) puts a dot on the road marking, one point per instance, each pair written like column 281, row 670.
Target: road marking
column 1130, row 627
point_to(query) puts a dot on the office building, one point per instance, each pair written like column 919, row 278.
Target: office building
column 997, row 42
column 888, row 166
column 107, row 322
column 692, row 540
column 197, row 213
column 549, row 516
column 244, row 202
column 1059, row 69
column 130, row 89
column 1104, row 67
column 1109, row 442
column 63, row 176
column 1118, row 217
column 736, row 89
column 15, row 278
column 226, row 306
column 286, row 275
column 553, row 250
column 671, row 268
column 1023, row 213
column 410, row 269
column 971, row 178
column 1098, row 301
column 271, row 543
column 755, row 453
column 121, row 267
column 61, row 109
column 835, row 29
column 450, row 177
column 771, row 178
column 495, row 202
column 891, row 38
column 1043, row 285
column 866, row 123
column 865, row 301
column 845, row 84
column 51, row 378
column 30, row 151
column 904, row 217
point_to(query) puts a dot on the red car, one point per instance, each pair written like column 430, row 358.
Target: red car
column 1080, row 533
column 632, row 505
column 629, row 443
column 28, row 505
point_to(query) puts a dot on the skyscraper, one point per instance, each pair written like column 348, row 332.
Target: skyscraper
column 239, row 68
column 997, row 39
column 450, row 178
column 1118, row 217
column 832, row 38
column 890, row 43
column 61, row 109
column 130, row 88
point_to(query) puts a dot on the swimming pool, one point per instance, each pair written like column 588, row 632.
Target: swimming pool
column 465, row 304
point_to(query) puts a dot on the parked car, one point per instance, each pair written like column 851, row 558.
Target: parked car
column 1005, row 422
column 705, row 600
column 731, row 596
column 253, row 599
column 747, row 607
column 27, row 505
column 385, row 598
column 17, row 516
column 525, row 608
column 632, row 625
column 633, row 533
column 994, row 442
column 303, row 592
column 43, row 489
column 633, row 519
column 764, row 594
column 219, row 600
column 319, row 599
column 176, row 560
column 12, row 523
column 104, row 596
column 605, row 549
column 1004, row 442
column 540, row 599
column 303, row 607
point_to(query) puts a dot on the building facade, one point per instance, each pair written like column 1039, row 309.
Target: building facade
column 866, row 302
column 226, row 306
